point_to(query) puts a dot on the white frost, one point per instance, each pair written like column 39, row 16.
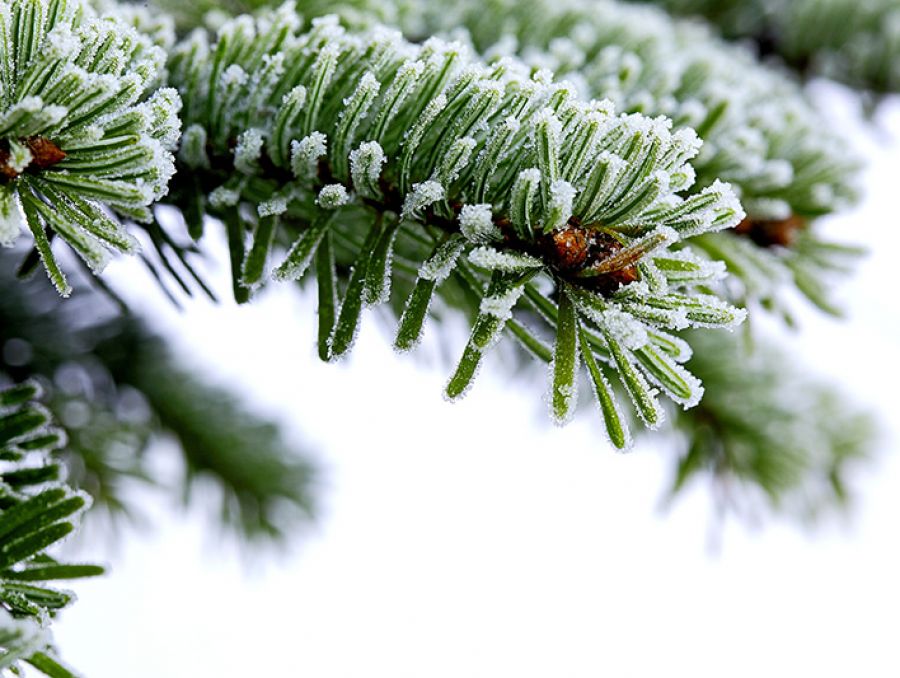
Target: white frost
column 305, row 155
column 333, row 196
column 423, row 194
column 476, row 222
column 248, row 151
column 366, row 163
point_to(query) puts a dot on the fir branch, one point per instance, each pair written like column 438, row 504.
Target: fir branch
column 85, row 133
column 518, row 165
column 761, row 134
column 37, row 511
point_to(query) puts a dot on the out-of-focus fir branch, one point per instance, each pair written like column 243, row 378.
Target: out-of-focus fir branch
column 854, row 41
column 767, row 436
column 116, row 388
column 268, row 489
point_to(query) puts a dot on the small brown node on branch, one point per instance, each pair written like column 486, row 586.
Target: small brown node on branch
column 773, row 232
column 44, row 154
column 575, row 249
column 570, row 247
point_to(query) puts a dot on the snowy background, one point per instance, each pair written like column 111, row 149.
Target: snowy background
column 476, row 539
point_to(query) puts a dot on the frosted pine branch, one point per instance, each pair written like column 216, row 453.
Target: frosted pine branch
column 451, row 135
column 85, row 135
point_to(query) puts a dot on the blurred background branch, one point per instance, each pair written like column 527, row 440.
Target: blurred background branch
column 117, row 389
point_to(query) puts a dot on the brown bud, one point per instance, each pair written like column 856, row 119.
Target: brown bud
column 570, row 247
column 780, row 232
column 45, row 153
column 6, row 171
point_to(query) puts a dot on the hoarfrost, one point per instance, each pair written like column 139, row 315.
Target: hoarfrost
column 468, row 387
column 569, row 392
column 488, row 257
column 234, row 76
column 368, row 85
column 501, row 305
column 423, row 194
column 248, row 151
column 60, row 43
column 547, row 119
column 625, row 328
column 366, row 163
column 272, row 207
column 224, row 196
column 562, row 196
column 333, row 196
column 439, row 266
column 476, row 222
column 19, row 156
column 707, row 270
column 455, row 160
column 305, row 155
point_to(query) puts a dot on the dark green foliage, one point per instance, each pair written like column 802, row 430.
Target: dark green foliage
column 761, row 133
column 428, row 177
column 382, row 146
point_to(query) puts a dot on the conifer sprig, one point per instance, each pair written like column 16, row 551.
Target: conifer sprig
column 520, row 185
column 760, row 133
column 85, row 137
column 37, row 510
column 402, row 172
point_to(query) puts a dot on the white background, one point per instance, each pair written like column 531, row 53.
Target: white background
column 477, row 540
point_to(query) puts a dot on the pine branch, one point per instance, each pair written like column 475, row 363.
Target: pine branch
column 759, row 131
column 512, row 177
column 37, row 511
column 405, row 172
column 85, row 134
column 761, row 134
